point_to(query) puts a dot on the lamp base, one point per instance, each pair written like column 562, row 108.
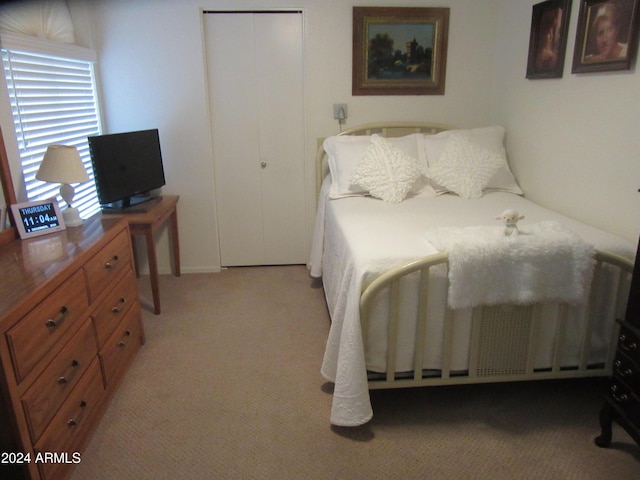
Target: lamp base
column 71, row 217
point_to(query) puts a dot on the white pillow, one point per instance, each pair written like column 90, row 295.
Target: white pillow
column 464, row 167
column 385, row 171
column 345, row 152
column 491, row 138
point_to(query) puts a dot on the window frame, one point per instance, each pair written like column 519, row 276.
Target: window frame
column 85, row 199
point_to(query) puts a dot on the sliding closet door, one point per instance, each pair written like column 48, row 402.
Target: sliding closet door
column 255, row 76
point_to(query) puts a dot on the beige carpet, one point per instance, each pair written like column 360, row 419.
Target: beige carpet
column 228, row 387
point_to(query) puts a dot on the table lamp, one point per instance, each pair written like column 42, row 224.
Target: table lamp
column 62, row 164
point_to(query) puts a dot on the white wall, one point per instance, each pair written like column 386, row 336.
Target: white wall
column 152, row 75
column 573, row 142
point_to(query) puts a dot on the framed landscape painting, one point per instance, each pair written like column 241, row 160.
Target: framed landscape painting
column 399, row 51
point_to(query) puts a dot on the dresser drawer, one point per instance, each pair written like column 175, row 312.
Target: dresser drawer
column 105, row 266
column 626, row 400
column 46, row 324
column 629, row 344
column 49, row 391
column 122, row 346
column 627, row 371
column 69, row 430
column 112, row 309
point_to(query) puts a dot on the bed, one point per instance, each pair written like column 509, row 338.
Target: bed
column 399, row 243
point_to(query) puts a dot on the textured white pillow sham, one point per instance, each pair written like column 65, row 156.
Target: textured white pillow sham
column 385, row 171
column 345, row 153
column 490, row 138
column 465, row 167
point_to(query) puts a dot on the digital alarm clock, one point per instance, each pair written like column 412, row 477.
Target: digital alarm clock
column 37, row 218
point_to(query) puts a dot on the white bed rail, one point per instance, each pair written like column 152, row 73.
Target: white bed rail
column 502, row 337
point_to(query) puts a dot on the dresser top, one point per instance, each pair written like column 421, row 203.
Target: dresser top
column 30, row 269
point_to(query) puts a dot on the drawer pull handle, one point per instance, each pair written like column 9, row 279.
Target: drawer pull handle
column 54, row 322
column 618, row 398
column 627, row 372
column 631, row 347
column 109, row 264
column 69, row 374
column 122, row 343
column 75, row 421
column 118, row 309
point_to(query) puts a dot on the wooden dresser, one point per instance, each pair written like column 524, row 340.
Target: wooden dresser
column 71, row 325
column 622, row 401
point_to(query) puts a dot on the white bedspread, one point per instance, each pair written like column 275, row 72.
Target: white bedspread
column 357, row 238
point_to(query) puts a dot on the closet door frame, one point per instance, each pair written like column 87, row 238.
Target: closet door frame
column 250, row 233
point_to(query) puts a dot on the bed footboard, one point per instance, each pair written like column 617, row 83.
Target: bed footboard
column 504, row 340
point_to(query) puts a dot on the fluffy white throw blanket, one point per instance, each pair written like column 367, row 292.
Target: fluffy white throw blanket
column 545, row 263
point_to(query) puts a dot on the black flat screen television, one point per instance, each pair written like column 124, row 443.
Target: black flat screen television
column 127, row 167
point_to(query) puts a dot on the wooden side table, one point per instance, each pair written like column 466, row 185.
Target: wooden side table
column 145, row 220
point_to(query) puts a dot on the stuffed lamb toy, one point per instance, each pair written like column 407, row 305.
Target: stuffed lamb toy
column 510, row 218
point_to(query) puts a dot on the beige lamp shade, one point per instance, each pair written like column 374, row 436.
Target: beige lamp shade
column 62, row 164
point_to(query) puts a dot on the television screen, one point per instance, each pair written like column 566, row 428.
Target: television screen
column 127, row 166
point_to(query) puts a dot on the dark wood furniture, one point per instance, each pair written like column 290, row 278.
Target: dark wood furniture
column 71, row 324
column 145, row 220
column 622, row 401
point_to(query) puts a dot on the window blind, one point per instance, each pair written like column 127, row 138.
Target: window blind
column 53, row 101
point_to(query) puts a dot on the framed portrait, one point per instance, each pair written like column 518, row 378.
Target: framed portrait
column 607, row 35
column 548, row 39
column 399, row 51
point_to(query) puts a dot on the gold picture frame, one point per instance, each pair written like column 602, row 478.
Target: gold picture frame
column 399, row 51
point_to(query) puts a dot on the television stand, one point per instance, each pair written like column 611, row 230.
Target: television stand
column 140, row 204
column 157, row 212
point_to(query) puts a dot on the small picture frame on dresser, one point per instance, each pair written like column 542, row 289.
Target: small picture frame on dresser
column 37, row 218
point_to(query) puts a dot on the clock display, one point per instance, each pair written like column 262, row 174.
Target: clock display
column 37, row 218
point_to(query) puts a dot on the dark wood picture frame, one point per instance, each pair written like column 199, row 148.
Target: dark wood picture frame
column 548, row 39
column 607, row 35
column 399, row 51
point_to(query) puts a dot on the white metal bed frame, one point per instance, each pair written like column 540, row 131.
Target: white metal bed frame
column 502, row 337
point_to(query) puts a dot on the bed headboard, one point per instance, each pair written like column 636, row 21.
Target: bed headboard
column 391, row 129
